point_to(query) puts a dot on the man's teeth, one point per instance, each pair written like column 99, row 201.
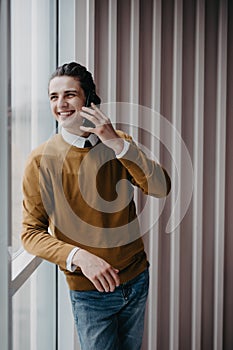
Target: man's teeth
column 65, row 114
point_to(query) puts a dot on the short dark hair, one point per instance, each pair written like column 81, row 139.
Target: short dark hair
column 79, row 72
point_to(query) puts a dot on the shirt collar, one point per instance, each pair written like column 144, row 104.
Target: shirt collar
column 78, row 141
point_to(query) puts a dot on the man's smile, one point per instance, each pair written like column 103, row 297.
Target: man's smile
column 66, row 113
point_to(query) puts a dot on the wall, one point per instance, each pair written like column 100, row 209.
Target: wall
column 175, row 58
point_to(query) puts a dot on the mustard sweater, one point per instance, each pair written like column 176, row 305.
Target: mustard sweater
column 84, row 197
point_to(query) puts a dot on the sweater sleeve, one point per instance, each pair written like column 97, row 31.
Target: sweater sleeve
column 145, row 173
column 35, row 236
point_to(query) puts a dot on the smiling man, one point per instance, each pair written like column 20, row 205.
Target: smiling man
column 80, row 185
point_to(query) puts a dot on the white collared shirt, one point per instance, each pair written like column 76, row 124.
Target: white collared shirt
column 78, row 141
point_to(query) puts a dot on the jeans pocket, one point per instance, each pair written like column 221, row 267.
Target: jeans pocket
column 140, row 285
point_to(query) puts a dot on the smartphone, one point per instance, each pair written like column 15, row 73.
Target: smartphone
column 87, row 122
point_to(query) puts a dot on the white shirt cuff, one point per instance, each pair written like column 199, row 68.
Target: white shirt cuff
column 125, row 149
column 69, row 266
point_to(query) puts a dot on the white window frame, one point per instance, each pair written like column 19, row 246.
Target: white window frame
column 5, row 264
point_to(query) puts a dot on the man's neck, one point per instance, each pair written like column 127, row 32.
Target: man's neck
column 76, row 133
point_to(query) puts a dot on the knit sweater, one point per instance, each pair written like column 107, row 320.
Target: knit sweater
column 84, row 197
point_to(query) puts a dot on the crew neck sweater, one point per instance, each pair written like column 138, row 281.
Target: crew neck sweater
column 84, row 198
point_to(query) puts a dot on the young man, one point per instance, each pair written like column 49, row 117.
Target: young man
column 80, row 185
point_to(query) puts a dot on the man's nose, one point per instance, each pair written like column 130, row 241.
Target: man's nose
column 61, row 102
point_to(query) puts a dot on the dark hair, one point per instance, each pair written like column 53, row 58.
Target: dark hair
column 79, row 72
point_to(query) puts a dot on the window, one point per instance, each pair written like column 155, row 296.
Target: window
column 33, row 58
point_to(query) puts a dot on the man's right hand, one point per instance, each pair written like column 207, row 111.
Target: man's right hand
column 104, row 277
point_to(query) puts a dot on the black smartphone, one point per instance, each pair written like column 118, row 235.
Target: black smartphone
column 87, row 122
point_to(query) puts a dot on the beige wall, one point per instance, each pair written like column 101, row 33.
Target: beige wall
column 176, row 58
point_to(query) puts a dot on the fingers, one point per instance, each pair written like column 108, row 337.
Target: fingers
column 94, row 114
column 115, row 277
column 107, row 281
column 97, row 285
column 86, row 128
column 103, row 126
column 104, row 277
column 94, row 119
column 94, row 110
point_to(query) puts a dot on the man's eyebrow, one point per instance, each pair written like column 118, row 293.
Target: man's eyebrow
column 52, row 93
column 71, row 90
column 66, row 92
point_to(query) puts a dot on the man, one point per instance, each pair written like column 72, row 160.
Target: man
column 80, row 185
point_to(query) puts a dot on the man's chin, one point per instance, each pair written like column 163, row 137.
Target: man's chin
column 71, row 126
column 72, row 121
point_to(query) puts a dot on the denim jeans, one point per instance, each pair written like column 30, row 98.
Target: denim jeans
column 112, row 321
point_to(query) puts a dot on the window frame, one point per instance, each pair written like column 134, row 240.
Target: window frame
column 5, row 219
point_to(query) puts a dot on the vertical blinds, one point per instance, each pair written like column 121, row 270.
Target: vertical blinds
column 175, row 57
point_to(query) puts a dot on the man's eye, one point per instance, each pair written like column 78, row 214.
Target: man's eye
column 70, row 95
column 52, row 98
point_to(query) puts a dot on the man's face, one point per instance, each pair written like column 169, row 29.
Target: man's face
column 66, row 100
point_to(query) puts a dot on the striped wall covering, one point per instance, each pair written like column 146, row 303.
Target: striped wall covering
column 173, row 59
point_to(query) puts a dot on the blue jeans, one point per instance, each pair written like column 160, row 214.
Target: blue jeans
column 112, row 321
